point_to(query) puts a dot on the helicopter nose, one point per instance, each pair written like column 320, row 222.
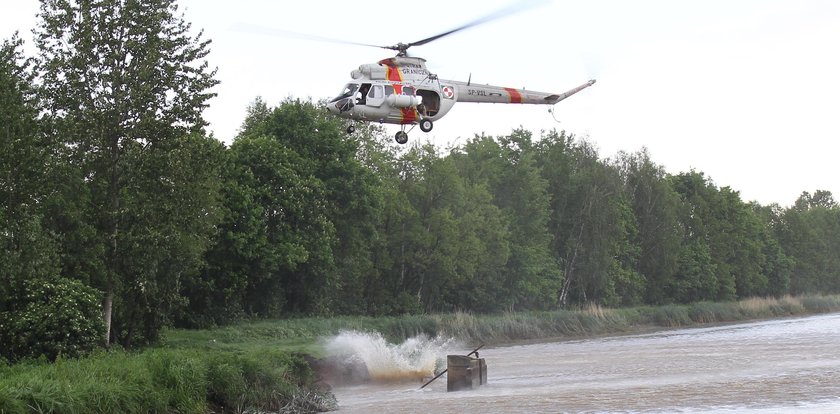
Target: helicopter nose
column 333, row 108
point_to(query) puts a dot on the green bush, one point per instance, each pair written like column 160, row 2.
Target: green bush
column 51, row 319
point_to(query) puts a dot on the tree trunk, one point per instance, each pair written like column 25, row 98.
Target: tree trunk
column 107, row 306
column 113, row 223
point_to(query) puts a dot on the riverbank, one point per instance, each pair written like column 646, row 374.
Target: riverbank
column 261, row 366
column 303, row 335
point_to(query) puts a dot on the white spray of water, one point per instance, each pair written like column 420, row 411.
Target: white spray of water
column 413, row 359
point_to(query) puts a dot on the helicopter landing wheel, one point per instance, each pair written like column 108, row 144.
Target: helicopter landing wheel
column 401, row 137
column 426, row 125
column 351, row 129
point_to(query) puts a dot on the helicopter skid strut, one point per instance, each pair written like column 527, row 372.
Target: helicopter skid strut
column 402, row 137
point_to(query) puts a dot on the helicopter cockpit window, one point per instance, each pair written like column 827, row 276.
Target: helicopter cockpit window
column 348, row 91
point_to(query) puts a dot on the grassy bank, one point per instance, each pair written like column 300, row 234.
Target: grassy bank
column 259, row 366
column 165, row 381
column 302, row 334
column 596, row 320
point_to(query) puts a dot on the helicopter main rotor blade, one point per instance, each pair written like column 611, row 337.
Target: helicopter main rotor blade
column 503, row 12
column 399, row 47
column 250, row 28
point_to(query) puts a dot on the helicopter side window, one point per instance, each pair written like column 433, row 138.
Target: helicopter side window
column 389, row 90
column 408, row 90
column 376, row 96
column 375, row 92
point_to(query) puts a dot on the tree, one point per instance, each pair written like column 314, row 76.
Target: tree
column 347, row 198
column 655, row 207
column 380, row 290
column 810, row 235
column 742, row 238
column 718, row 224
column 124, row 82
column 453, row 241
column 29, row 251
column 777, row 265
column 278, row 225
column 702, row 274
column 592, row 227
column 509, row 169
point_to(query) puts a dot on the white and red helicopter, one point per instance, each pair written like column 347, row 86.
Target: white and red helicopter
column 400, row 90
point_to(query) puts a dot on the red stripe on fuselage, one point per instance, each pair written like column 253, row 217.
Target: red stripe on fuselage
column 394, row 74
column 515, row 96
column 409, row 115
column 393, row 71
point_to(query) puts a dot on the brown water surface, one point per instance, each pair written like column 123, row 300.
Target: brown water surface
column 790, row 365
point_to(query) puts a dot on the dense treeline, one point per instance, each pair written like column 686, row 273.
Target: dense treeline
column 122, row 215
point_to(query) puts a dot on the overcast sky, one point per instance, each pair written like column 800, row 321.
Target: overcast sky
column 746, row 91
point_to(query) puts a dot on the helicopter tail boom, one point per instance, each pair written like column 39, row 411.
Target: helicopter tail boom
column 467, row 92
column 553, row 99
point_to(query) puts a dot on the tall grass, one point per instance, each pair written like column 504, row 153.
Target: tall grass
column 163, row 380
column 302, row 334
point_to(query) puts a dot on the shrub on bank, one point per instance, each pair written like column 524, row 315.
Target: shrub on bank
column 51, row 319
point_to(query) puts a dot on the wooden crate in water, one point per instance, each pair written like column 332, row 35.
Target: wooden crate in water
column 465, row 373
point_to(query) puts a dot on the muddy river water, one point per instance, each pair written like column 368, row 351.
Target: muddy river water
column 790, row 365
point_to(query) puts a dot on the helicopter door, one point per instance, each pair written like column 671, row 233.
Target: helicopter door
column 431, row 102
column 376, row 96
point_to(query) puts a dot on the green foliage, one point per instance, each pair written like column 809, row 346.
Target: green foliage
column 809, row 233
column 27, row 249
column 52, row 319
column 300, row 220
column 655, row 207
column 725, row 246
column 523, row 273
column 594, row 228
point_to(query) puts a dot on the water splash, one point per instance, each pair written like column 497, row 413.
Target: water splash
column 413, row 359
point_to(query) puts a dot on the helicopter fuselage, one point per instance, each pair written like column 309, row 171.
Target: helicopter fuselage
column 400, row 90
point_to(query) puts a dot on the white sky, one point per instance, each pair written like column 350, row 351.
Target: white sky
column 746, row 91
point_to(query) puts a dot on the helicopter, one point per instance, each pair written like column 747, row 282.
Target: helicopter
column 401, row 90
